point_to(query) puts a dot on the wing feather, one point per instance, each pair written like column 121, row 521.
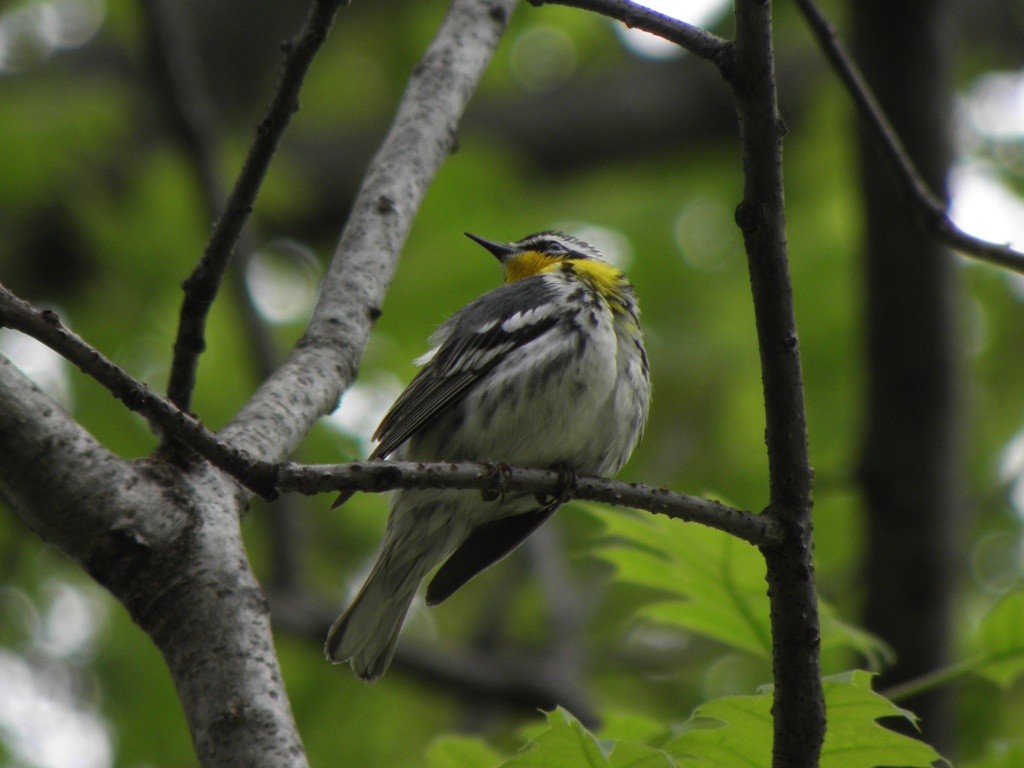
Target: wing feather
column 472, row 343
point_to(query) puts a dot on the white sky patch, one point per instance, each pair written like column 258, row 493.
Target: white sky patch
column 40, row 363
column 48, row 707
column 363, row 406
column 994, row 105
column 983, row 205
column 41, row 724
column 700, row 13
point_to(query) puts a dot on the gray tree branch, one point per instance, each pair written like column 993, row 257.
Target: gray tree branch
column 166, row 542
column 163, row 534
column 325, row 360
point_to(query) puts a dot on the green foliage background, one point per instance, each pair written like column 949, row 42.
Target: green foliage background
column 676, row 641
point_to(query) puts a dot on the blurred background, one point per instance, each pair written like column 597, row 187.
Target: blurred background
column 622, row 140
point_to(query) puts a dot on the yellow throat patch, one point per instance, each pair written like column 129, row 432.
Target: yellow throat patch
column 528, row 264
column 606, row 280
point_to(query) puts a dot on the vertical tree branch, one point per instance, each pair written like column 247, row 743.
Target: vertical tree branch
column 324, row 361
column 174, row 66
column 798, row 709
column 202, row 285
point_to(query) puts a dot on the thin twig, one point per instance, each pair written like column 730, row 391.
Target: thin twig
column 909, row 689
column 931, row 212
column 202, row 285
column 324, row 362
column 173, row 65
column 697, row 41
column 493, row 478
column 46, row 326
column 269, row 479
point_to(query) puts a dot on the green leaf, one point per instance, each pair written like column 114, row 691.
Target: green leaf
column 462, row 752
column 854, row 738
column 567, row 744
column 714, row 583
column 736, row 731
column 1001, row 637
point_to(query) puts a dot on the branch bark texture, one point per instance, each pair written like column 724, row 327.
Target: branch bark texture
column 165, row 541
column 798, row 709
column 163, row 534
column 203, row 284
column 326, row 358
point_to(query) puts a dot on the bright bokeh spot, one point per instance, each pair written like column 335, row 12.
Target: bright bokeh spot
column 47, row 719
column 1011, row 472
column 363, row 406
column 994, row 106
column 700, row 13
column 542, row 57
column 613, row 244
column 707, row 236
column 40, row 363
column 71, row 622
column 31, row 32
column 983, row 205
column 283, row 278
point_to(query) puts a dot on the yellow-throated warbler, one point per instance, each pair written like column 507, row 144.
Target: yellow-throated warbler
column 549, row 370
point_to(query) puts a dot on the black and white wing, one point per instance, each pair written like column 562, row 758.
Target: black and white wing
column 467, row 347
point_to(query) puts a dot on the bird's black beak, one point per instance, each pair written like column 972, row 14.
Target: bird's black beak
column 501, row 250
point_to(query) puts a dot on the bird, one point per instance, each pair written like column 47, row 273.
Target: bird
column 547, row 370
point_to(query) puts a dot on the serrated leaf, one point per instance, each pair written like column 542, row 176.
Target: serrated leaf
column 567, row 744
column 854, row 738
column 717, row 580
column 1001, row 637
column 462, row 752
column 715, row 583
column 736, row 731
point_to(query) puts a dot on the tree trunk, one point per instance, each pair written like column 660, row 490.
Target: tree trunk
column 911, row 460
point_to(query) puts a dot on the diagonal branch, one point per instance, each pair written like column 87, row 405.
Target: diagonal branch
column 930, row 211
column 269, row 479
column 324, row 361
column 696, row 40
column 46, row 326
column 132, row 526
column 202, row 285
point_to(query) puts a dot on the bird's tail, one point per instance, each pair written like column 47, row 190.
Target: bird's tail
column 367, row 632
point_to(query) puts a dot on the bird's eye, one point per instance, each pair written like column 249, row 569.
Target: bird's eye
column 555, row 248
